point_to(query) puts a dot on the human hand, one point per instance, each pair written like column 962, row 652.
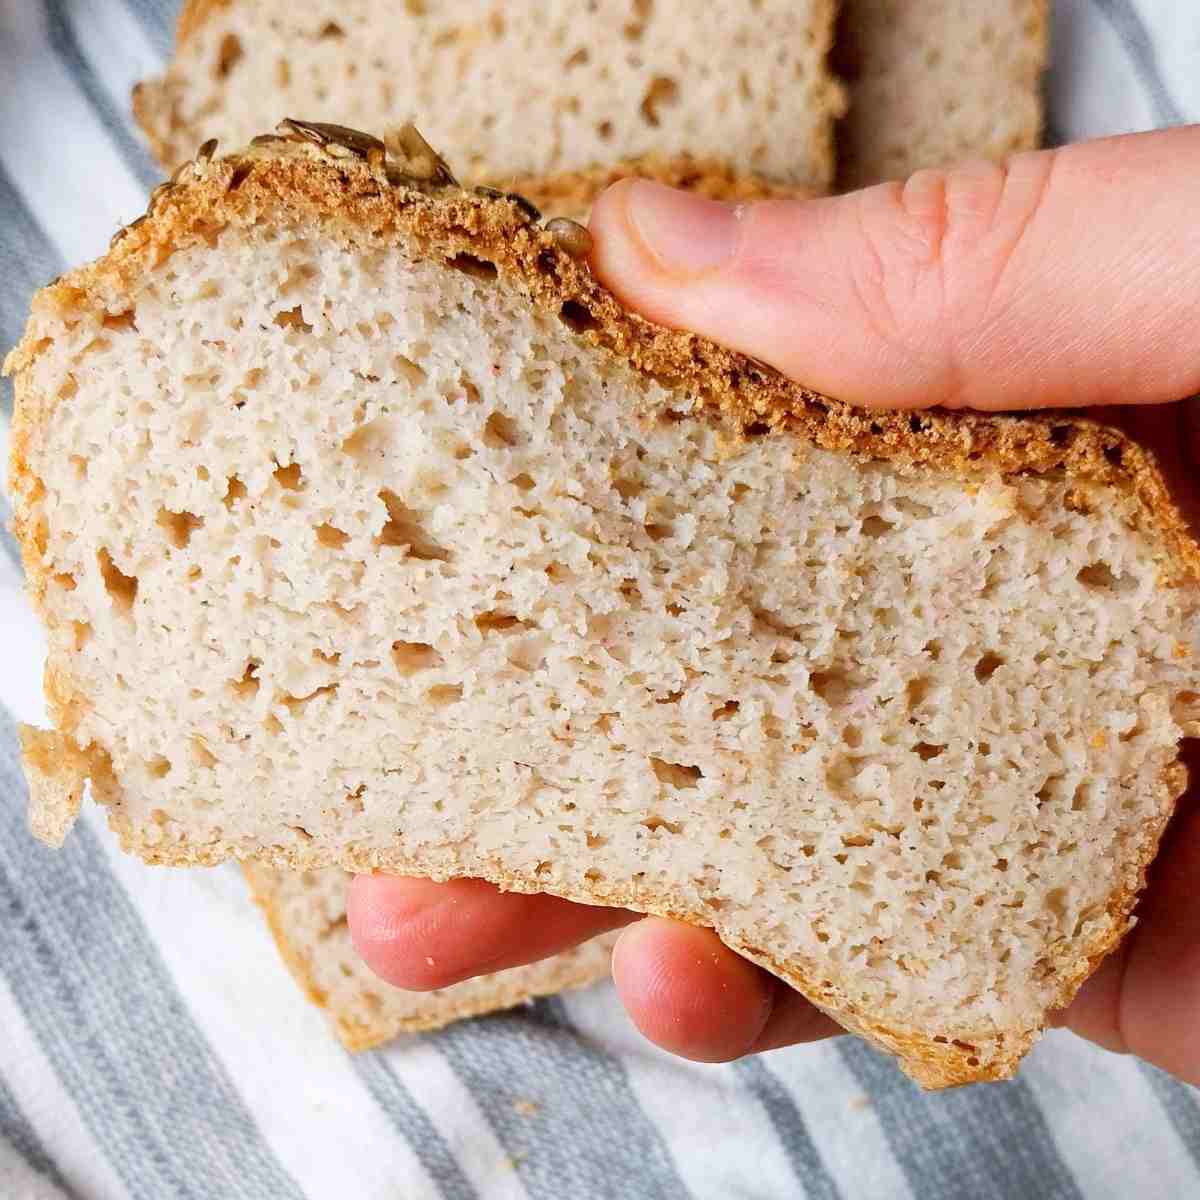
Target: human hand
column 1070, row 278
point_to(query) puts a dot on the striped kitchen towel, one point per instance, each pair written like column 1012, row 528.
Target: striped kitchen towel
column 151, row 1044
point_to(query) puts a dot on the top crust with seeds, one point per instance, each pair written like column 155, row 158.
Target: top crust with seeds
column 891, row 701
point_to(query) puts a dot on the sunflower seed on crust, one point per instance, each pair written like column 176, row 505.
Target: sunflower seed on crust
column 325, row 135
column 570, row 237
column 422, row 161
column 207, row 150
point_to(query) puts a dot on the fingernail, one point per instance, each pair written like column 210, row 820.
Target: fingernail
column 687, row 234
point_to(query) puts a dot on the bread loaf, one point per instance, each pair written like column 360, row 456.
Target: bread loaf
column 306, row 911
column 371, row 532
column 518, row 88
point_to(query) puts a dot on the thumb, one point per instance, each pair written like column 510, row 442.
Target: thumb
column 1066, row 277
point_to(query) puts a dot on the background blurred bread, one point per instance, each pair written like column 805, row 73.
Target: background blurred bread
column 515, row 89
column 932, row 82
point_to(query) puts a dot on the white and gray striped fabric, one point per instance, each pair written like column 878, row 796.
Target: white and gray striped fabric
column 151, row 1045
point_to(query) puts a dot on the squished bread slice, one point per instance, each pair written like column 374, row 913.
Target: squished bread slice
column 306, row 911
column 936, row 82
column 371, row 532
column 515, row 88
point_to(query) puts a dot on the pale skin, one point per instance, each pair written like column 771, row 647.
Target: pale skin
column 1066, row 278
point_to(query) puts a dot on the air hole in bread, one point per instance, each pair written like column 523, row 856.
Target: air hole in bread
column 411, row 657
column 577, row 58
column 159, row 767
column 499, row 622
column 1100, row 577
column 235, row 490
column 125, row 321
column 628, row 489
column 655, row 822
column 663, row 90
column 987, row 666
column 677, row 775
column 444, row 694
column 290, row 478
column 247, row 686
column 658, row 531
column 832, row 685
column 297, row 704
column 331, row 30
column 122, row 588
column 66, row 581
column 476, row 268
column 604, row 130
column 577, row 317
column 927, row 751
column 876, row 526
column 403, row 528
column 179, row 526
column 523, row 482
column 332, row 536
column 229, row 54
column 501, row 431
column 293, row 318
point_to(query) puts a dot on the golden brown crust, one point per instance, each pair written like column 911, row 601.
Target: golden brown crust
column 56, row 770
column 355, row 199
column 193, row 14
column 574, row 191
column 506, row 991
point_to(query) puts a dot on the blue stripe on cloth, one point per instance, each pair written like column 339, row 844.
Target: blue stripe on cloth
column 1181, row 1103
column 1127, row 24
column 66, row 45
column 586, row 1134
column 104, row 1010
column 413, row 1124
column 19, row 1133
column 801, row 1151
column 157, row 17
column 28, row 260
column 989, row 1143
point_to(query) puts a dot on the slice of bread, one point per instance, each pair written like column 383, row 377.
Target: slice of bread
column 518, row 88
column 370, row 531
column 306, row 911
column 934, row 82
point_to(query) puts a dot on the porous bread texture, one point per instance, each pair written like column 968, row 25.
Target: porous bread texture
column 520, row 89
column 370, row 531
column 938, row 81
column 306, row 912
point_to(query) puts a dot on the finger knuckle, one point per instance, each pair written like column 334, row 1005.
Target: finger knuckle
column 937, row 250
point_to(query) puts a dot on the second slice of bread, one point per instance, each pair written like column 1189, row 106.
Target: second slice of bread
column 306, row 911
column 516, row 88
